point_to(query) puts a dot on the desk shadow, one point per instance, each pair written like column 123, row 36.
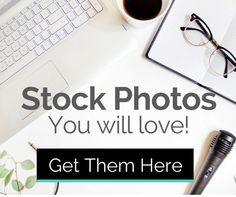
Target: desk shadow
column 204, row 151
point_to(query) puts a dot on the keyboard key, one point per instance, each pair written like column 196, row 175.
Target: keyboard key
column 15, row 46
column 71, row 16
column 14, row 25
column 36, row 9
column 9, row 61
column 69, row 28
column 58, row 25
column 80, row 20
column 39, row 50
column 37, row 30
column 23, row 30
column 55, row 17
column 2, row 57
column 7, row 31
column 8, row 51
column 61, row 2
column 10, row 21
column 22, row 20
column 30, row 24
column 38, row 40
column 91, row 12
column 45, row 35
column 3, row 45
column 86, row 5
column 96, row 5
column 31, row 5
column 54, row 39
column 78, row 10
column 45, row 3
column 29, row 15
column 73, row 3
column 46, row 45
column 38, row 19
column 16, row 56
column 45, row 14
column 22, row 41
column 3, row 66
column 61, row 34
column 53, row 8
column 29, row 35
column 66, row 8
column 16, row 35
column 31, row 45
column 9, row 40
column 44, row 25
column 23, row 50
column 24, row 10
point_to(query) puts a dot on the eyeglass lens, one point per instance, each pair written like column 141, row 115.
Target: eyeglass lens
column 197, row 33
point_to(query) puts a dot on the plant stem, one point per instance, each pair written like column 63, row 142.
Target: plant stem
column 15, row 170
column 16, row 173
column 17, row 180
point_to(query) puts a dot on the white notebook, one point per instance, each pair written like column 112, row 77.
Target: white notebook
column 170, row 49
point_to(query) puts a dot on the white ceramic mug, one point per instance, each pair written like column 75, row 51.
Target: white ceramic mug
column 141, row 23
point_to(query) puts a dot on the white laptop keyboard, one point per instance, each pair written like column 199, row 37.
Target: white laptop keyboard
column 37, row 28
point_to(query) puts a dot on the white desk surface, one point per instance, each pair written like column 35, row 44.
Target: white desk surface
column 134, row 70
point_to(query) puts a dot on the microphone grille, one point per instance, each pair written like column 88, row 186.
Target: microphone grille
column 213, row 141
column 223, row 142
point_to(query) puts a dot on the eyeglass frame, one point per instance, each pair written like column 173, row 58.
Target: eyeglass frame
column 208, row 34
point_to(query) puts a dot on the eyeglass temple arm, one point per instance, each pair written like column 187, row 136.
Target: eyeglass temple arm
column 228, row 58
column 208, row 30
column 190, row 28
column 194, row 29
column 226, row 69
column 204, row 30
column 202, row 27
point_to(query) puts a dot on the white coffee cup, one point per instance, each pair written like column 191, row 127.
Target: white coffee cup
column 141, row 23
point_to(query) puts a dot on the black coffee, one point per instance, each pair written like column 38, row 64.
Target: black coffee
column 143, row 9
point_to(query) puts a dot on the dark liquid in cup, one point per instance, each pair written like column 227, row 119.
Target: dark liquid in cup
column 143, row 9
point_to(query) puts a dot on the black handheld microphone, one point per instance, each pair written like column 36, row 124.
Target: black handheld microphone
column 220, row 147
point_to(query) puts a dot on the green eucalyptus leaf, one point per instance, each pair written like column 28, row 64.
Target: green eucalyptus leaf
column 17, row 185
column 3, row 173
column 8, row 178
column 27, row 165
column 3, row 154
column 30, row 182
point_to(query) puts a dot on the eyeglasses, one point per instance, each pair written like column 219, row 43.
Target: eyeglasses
column 221, row 62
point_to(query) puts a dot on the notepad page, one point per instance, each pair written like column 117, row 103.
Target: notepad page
column 171, row 49
column 229, row 40
column 218, row 83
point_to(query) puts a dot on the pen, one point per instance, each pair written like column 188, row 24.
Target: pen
column 32, row 146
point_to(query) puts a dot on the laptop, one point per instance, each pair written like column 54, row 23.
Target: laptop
column 58, row 44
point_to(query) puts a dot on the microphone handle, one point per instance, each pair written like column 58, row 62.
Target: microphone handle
column 212, row 162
